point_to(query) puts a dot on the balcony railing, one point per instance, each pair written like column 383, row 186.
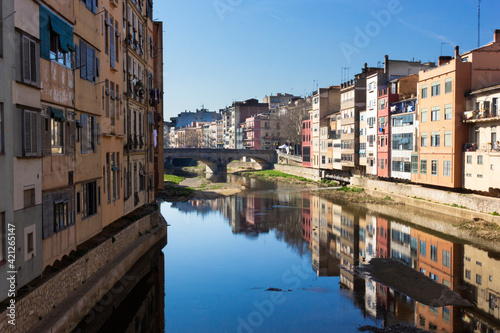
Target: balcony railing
column 481, row 114
column 493, row 147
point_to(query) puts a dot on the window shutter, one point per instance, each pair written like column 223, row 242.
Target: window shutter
column 90, row 64
column 46, row 139
column 27, row 133
column 69, row 137
column 33, row 62
column 84, row 140
column 26, row 59
column 83, row 60
column 112, row 46
column 97, row 67
column 94, row 134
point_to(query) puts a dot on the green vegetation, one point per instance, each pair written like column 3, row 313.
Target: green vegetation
column 173, row 179
column 387, row 198
column 274, row 174
column 351, row 189
column 457, row 206
column 329, row 182
column 418, row 198
column 495, row 213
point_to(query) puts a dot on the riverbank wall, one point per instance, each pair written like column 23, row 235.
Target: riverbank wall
column 309, row 173
column 60, row 302
column 466, row 206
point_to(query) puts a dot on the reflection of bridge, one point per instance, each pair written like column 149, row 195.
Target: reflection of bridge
column 218, row 159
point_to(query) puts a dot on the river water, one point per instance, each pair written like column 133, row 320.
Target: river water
column 278, row 258
column 281, row 258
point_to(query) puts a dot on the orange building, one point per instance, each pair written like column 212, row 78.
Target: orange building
column 442, row 102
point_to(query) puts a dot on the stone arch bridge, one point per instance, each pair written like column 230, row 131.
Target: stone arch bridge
column 218, row 159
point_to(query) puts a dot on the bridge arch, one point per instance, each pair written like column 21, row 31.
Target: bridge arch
column 218, row 159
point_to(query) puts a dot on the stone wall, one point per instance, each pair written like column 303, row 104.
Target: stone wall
column 312, row 174
column 427, row 196
column 34, row 306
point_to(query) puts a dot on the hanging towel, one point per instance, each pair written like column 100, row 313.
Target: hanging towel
column 155, row 135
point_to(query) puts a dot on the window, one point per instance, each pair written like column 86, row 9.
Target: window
column 447, row 111
column 435, row 113
column 88, row 131
column 29, row 198
column 446, row 258
column 436, row 89
column 402, row 141
column 423, row 248
column 434, row 167
column 92, row 5
column 2, row 146
column 434, row 254
column 447, row 168
column 469, row 159
column 435, row 139
column 424, row 91
column 30, row 59
column 87, row 62
column 423, row 116
column 467, row 274
column 414, row 163
column 56, row 136
column 479, row 279
column 89, row 197
column 61, row 216
column 447, row 138
column 423, row 167
column 31, row 133
column 447, row 85
column 423, row 140
column 480, row 159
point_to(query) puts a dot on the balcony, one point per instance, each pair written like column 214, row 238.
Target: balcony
column 491, row 147
column 480, row 116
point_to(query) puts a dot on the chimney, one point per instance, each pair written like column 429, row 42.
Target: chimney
column 457, row 52
column 366, row 68
column 386, row 64
column 496, row 36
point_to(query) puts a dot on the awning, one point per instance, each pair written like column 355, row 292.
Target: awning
column 57, row 114
column 50, row 22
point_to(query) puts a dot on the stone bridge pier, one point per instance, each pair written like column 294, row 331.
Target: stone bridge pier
column 218, row 159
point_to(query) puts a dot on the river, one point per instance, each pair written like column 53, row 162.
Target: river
column 280, row 258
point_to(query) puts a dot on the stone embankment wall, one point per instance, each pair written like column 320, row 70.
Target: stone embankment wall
column 73, row 291
column 312, row 174
column 465, row 206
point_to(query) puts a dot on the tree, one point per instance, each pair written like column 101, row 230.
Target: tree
column 290, row 120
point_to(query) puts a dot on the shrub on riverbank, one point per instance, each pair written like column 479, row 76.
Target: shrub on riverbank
column 173, row 179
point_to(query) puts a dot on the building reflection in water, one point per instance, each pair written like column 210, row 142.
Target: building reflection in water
column 136, row 303
column 341, row 238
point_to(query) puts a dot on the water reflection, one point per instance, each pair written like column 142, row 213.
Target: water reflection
column 340, row 238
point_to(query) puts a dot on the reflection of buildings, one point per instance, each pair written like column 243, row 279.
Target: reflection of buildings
column 349, row 249
column 136, row 303
column 481, row 276
column 306, row 217
column 256, row 209
column 440, row 260
column 382, row 226
column 400, row 243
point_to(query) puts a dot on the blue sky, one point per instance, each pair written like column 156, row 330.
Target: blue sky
column 218, row 51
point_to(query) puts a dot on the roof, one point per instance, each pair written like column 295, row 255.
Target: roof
column 486, row 89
